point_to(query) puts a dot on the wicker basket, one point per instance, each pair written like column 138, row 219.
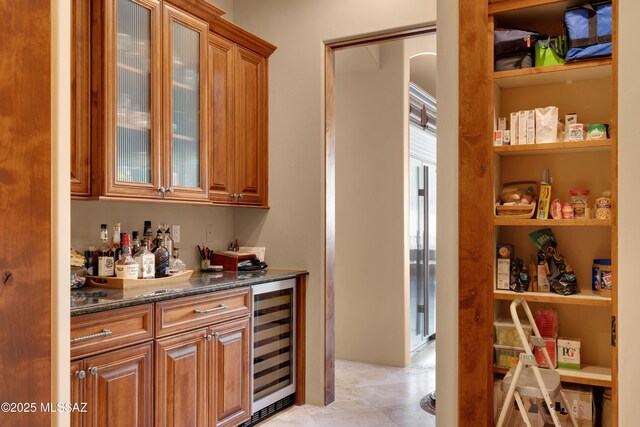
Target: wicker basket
column 518, row 211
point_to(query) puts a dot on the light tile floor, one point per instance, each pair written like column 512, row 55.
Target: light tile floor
column 372, row 395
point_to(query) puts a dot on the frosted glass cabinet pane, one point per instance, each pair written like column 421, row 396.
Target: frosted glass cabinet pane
column 186, row 106
column 133, row 93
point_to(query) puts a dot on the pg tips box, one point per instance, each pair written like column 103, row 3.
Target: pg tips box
column 569, row 353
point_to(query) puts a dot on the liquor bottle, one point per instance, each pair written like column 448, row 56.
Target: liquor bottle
column 147, row 230
column 162, row 259
column 168, row 240
column 176, row 265
column 135, row 242
column 103, row 256
column 117, row 238
column 146, row 261
column 126, row 266
column 159, row 237
column 118, row 250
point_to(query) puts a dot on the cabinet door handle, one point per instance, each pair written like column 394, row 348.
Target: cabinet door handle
column 207, row 337
column 170, row 190
column 239, row 196
column 211, row 310
column 216, row 334
column 81, row 374
column 93, row 371
column 161, row 190
column 104, row 333
column 233, row 196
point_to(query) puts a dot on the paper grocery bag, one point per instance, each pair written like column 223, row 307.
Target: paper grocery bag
column 546, row 124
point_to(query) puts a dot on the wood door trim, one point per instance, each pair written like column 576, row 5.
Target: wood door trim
column 330, row 185
column 475, row 195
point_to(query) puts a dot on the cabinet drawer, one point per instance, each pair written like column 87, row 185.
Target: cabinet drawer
column 183, row 314
column 107, row 330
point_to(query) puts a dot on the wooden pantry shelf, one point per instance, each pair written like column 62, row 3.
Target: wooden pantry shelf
column 588, row 375
column 553, row 148
column 552, row 222
column 501, row 6
column 535, row 76
column 548, row 297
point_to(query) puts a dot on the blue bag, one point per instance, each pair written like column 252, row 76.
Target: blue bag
column 589, row 27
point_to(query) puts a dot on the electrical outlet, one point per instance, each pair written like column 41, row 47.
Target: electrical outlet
column 210, row 229
column 175, row 233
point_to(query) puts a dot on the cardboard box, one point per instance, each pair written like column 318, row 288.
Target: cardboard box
column 506, row 137
column 547, row 322
column 577, row 132
column 550, row 344
column 544, row 200
column 569, row 353
column 514, row 129
column 504, row 255
column 497, row 137
column 531, row 126
column 580, row 400
column 502, row 123
column 570, row 119
column 522, row 127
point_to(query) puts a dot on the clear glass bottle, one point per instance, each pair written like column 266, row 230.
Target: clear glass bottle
column 126, row 266
column 146, row 261
column 162, row 259
column 168, row 240
column 103, row 256
column 176, row 265
column 116, row 240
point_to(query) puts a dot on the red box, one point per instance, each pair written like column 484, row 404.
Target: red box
column 547, row 322
column 550, row 343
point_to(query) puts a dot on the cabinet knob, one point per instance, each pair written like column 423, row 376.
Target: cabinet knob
column 161, row 190
column 93, row 371
column 233, row 196
column 239, row 196
column 81, row 374
column 207, row 337
column 170, row 190
column 216, row 334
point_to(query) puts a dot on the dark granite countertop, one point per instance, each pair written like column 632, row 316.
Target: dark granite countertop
column 91, row 299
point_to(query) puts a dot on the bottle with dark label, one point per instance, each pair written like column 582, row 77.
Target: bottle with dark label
column 126, row 266
column 135, row 242
column 103, row 256
column 161, row 259
column 159, row 237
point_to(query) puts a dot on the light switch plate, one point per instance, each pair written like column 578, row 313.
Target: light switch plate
column 175, row 233
column 210, row 229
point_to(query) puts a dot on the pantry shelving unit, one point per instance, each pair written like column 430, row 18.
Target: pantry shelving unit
column 588, row 88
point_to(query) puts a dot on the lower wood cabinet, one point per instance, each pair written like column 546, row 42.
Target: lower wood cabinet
column 203, row 376
column 230, row 373
column 117, row 387
column 181, row 369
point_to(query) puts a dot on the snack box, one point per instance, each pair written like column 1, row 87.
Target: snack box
column 506, row 333
column 569, row 353
column 507, row 356
column 543, row 270
column 514, row 128
column 550, row 344
column 504, row 255
column 547, row 322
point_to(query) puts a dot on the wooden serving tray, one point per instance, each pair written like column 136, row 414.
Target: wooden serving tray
column 120, row 283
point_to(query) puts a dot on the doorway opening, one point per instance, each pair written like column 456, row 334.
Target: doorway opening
column 372, row 218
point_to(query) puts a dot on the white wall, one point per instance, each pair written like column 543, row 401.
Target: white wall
column 628, row 206
column 293, row 230
column 371, row 292
column 86, row 217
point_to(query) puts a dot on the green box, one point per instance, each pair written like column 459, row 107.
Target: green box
column 551, row 51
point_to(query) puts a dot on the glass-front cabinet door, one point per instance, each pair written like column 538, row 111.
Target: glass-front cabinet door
column 133, row 98
column 185, row 41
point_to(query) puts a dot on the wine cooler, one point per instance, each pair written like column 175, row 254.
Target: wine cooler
column 273, row 342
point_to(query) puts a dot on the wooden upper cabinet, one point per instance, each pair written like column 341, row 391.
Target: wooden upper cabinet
column 181, row 370
column 229, row 375
column 221, row 160
column 119, row 388
column 80, row 99
column 238, row 155
column 185, row 41
column 127, row 78
column 251, row 127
